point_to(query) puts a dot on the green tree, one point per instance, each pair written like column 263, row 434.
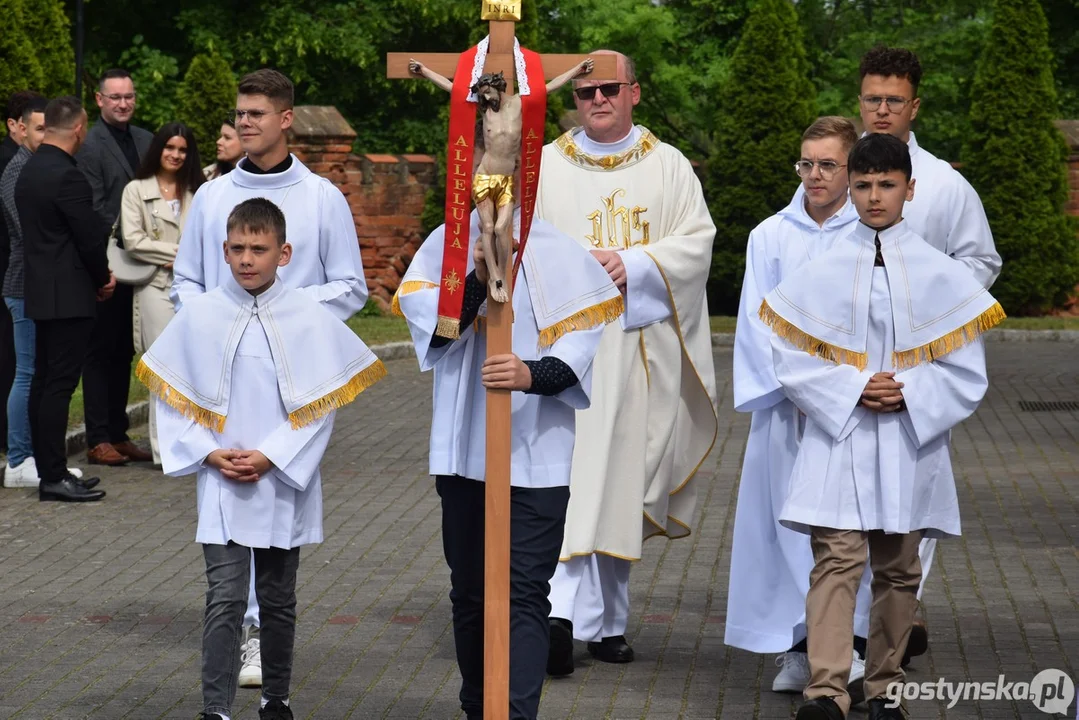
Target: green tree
column 206, row 95
column 1016, row 158
column 767, row 102
column 35, row 48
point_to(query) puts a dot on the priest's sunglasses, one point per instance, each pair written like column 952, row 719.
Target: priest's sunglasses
column 828, row 168
column 609, row 90
column 872, row 103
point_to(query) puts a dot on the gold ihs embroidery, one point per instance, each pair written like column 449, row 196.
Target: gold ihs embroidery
column 622, row 224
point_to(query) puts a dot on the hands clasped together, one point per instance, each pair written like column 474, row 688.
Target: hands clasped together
column 883, row 394
column 616, row 269
column 239, row 465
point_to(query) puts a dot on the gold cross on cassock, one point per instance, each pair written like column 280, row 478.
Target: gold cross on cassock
column 502, row 17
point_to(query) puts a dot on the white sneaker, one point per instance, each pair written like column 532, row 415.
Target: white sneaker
column 250, row 662
column 22, row 476
column 794, row 674
column 855, row 685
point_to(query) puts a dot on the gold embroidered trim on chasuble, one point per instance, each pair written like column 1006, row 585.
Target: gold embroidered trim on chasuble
column 599, row 314
column 298, row 418
column 408, row 287
column 633, row 155
column 901, row 359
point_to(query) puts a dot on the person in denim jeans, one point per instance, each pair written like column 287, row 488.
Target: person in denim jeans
column 21, row 470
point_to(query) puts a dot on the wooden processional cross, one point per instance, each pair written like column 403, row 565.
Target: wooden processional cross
column 502, row 17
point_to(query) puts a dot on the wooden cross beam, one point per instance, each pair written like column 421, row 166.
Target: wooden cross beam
column 496, row 622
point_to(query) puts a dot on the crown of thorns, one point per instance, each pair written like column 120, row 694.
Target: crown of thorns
column 495, row 80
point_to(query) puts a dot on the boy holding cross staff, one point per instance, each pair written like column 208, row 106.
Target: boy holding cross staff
column 517, row 476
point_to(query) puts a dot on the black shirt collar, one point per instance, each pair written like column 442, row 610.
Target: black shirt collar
column 47, row 149
column 119, row 133
column 254, row 169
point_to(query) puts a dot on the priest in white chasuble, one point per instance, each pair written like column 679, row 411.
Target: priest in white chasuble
column 770, row 564
column 635, row 203
column 561, row 300
column 878, row 342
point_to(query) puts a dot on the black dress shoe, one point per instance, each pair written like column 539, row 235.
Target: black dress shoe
column 560, row 654
column 879, row 709
column 823, row 708
column 67, row 489
column 88, row 482
column 612, row 650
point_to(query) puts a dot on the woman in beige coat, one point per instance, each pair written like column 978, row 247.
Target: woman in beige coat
column 152, row 215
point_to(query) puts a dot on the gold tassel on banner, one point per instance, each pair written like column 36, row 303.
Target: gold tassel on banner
column 340, row 397
column 605, row 312
column 449, row 328
column 407, row 288
column 176, row 400
column 904, row 359
column 810, row 344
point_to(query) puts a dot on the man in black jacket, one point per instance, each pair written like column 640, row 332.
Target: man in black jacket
column 67, row 275
column 109, row 158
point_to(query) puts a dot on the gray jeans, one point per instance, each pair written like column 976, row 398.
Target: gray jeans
column 228, row 573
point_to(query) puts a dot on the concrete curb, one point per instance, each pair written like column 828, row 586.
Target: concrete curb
column 138, row 413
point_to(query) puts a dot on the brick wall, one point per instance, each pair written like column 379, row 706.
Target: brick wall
column 1070, row 128
column 385, row 192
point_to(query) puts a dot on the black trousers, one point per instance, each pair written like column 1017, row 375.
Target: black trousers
column 537, row 520
column 61, row 351
column 7, row 367
column 106, row 379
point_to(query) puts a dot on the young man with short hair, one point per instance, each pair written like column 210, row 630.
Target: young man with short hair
column 770, row 564
column 325, row 263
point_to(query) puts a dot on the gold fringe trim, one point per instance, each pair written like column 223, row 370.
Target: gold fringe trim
column 599, row 314
column 808, row 343
column 176, row 400
column 408, row 288
column 340, row 397
column 449, row 328
column 950, row 342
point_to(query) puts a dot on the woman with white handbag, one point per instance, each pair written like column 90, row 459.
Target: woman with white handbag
column 152, row 215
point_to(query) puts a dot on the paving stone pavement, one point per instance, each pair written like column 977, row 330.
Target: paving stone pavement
column 101, row 604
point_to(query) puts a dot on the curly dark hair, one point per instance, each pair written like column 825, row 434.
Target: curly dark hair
column 888, row 61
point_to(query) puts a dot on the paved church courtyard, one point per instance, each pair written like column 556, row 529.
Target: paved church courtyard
column 101, row 604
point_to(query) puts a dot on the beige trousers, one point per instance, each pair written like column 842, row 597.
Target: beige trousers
column 152, row 312
column 840, row 557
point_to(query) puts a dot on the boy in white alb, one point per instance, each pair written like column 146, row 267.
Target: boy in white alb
column 325, row 262
column 561, row 300
column 770, row 564
column 878, row 342
column 247, row 380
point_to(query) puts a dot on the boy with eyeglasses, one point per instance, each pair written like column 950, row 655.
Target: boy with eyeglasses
column 770, row 564
column 325, row 262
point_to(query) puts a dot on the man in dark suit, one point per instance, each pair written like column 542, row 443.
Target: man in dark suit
column 112, row 153
column 67, row 276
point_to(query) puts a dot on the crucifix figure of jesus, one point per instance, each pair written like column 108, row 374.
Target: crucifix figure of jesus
column 493, row 182
column 499, row 59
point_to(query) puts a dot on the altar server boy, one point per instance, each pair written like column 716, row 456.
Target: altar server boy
column 247, row 378
column 878, row 342
column 562, row 298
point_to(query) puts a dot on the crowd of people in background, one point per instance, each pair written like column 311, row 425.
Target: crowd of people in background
column 133, row 197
